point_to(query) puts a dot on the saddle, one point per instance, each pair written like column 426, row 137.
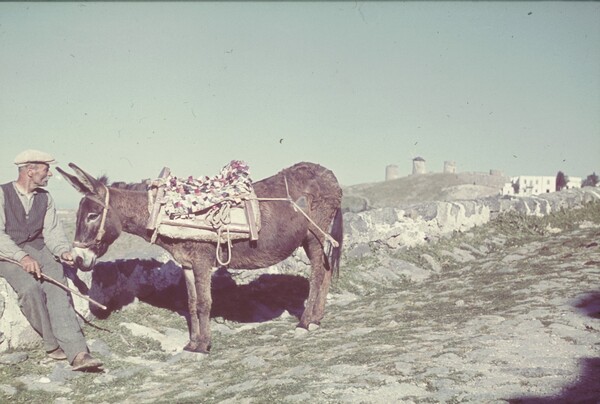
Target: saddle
column 218, row 209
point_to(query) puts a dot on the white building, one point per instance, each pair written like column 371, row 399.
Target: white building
column 536, row 184
column 574, row 182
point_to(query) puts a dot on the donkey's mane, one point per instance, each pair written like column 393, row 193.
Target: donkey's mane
column 132, row 186
column 103, row 180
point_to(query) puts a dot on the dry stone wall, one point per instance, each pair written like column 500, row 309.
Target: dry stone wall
column 426, row 222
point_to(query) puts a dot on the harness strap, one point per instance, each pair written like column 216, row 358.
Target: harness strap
column 101, row 231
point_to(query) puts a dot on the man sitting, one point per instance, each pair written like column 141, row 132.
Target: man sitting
column 31, row 235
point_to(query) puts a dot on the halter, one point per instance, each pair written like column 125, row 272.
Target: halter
column 101, row 231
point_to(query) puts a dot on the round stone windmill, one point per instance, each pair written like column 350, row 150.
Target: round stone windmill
column 419, row 166
column 449, row 167
column 391, row 172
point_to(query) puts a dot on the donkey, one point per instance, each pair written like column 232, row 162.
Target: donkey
column 104, row 212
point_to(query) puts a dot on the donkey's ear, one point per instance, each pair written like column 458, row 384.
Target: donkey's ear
column 75, row 182
column 83, row 182
column 86, row 179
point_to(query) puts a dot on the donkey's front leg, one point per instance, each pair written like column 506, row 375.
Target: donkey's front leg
column 199, row 301
column 190, row 284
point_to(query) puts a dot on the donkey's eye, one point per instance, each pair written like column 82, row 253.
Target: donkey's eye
column 92, row 216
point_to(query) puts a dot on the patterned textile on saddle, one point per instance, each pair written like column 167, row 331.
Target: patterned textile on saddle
column 219, row 208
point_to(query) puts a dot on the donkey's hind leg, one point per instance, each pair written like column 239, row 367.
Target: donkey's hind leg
column 197, row 282
column 320, row 280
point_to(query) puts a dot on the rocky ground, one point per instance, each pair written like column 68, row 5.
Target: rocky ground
column 506, row 312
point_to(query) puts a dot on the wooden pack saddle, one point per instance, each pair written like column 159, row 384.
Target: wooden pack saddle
column 230, row 219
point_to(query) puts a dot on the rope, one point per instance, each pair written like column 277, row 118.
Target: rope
column 298, row 208
column 218, row 253
column 220, row 216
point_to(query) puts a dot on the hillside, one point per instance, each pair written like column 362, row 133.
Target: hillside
column 415, row 189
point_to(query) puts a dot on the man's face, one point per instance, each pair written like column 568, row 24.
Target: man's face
column 39, row 174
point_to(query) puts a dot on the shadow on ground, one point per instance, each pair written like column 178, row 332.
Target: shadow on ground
column 586, row 389
column 117, row 284
column 589, row 305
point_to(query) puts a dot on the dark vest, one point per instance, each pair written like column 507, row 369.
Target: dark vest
column 23, row 228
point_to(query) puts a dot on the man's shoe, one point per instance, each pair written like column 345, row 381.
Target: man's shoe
column 85, row 362
column 58, row 355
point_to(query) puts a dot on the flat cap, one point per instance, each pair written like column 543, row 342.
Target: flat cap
column 33, row 156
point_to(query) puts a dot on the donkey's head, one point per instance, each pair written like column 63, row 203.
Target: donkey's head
column 98, row 225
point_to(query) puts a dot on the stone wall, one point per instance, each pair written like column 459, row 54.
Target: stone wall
column 15, row 329
column 429, row 221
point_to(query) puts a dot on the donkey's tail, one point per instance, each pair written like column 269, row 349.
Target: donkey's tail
column 336, row 230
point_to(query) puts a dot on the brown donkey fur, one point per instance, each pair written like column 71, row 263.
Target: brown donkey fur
column 283, row 229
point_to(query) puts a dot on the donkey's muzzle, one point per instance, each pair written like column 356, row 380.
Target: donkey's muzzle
column 84, row 259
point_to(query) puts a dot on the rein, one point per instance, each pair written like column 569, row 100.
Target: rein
column 101, row 230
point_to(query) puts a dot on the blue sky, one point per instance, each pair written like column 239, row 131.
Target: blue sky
column 124, row 89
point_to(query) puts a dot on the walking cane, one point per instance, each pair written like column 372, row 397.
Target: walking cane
column 57, row 283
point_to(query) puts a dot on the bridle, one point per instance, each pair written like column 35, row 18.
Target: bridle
column 101, row 230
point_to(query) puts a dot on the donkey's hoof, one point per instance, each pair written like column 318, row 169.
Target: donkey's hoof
column 302, row 331
column 308, row 325
column 196, row 347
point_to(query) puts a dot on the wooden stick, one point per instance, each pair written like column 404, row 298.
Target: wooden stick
column 68, row 289
column 57, row 283
column 233, row 228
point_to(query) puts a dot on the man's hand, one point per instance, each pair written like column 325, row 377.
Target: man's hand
column 67, row 258
column 32, row 266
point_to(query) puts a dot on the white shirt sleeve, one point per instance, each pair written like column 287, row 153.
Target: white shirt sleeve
column 54, row 234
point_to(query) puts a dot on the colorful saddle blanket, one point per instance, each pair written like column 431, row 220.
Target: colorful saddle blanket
column 185, row 198
column 216, row 209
